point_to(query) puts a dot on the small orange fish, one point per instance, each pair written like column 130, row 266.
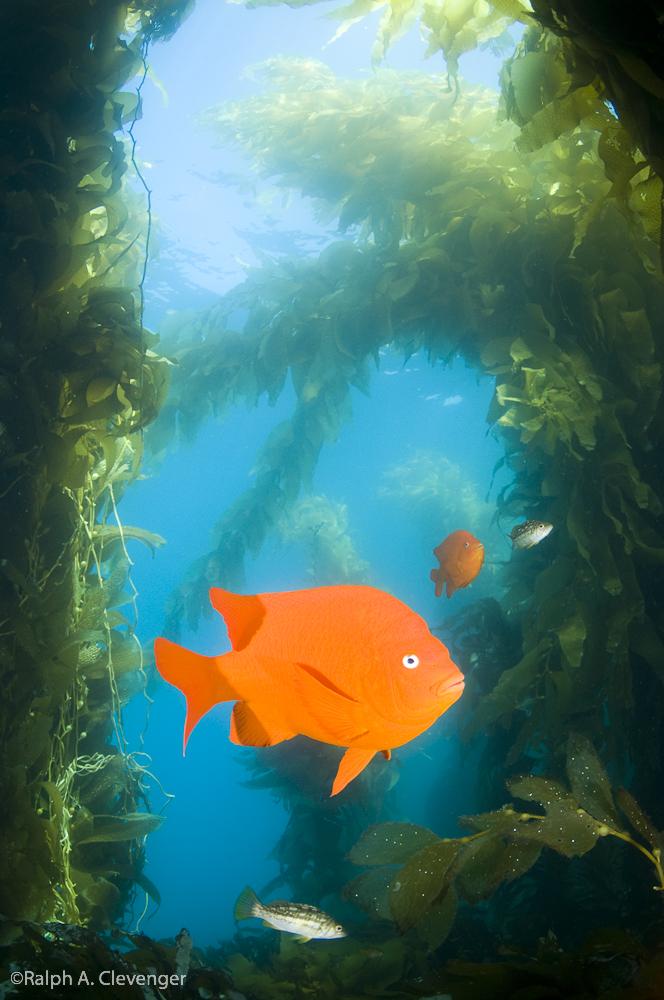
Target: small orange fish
column 460, row 556
column 348, row 665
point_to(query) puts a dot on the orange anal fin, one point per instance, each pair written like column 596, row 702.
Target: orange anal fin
column 338, row 717
column 200, row 678
column 352, row 763
column 387, row 754
column 450, row 588
column 243, row 614
column 256, row 726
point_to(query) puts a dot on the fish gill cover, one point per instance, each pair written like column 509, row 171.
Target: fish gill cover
column 531, row 247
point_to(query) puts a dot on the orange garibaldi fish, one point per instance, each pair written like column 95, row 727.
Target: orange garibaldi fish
column 460, row 556
column 347, row 665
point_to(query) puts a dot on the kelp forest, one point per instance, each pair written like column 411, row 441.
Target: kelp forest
column 520, row 231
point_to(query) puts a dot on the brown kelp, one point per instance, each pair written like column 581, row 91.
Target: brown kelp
column 417, row 878
column 79, row 382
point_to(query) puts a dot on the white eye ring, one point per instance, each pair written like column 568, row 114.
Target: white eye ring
column 410, row 661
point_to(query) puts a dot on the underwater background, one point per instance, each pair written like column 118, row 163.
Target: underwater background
column 290, row 294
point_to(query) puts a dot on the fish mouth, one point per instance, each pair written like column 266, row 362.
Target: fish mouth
column 447, row 688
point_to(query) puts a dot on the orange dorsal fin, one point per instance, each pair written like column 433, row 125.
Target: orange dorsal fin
column 243, row 614
column 200, row 678
column 256, row 726
column 351, row 764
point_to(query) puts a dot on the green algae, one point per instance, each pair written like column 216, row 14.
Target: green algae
column 79, row 382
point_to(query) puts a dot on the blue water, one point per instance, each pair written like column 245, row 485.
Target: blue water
column 218, row 834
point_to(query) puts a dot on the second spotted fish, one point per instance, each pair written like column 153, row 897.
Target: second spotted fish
column 529, row 534
column 293, row 918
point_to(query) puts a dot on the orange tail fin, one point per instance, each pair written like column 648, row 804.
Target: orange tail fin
column 198, row 677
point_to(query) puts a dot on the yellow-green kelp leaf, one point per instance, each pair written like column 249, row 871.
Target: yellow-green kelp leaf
column 99, row 389
column 560, row 115
column 128, row 827
column 640, row 821
column 565, row 828
column 536, row 789
column 486, row 862
column 94, row 891
column 437, row 923
column 126, row 871
column 588, row 779
column 421, row 881
column 502, row 821
column 371, row 892
column 572, row 638
column 390, row 843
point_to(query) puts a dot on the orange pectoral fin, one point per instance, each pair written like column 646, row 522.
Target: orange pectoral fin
column 243, row 614
column 338, row 717
column 256, row 726
column 352, row 763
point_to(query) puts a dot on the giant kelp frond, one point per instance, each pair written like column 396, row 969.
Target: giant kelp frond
column 79, row 381
column 550, row 87
column 451, row 27
column 399, row 160
column 574, row 66
column 434, row 872
column 623, row 49
column 322, row 525
column 392, row 143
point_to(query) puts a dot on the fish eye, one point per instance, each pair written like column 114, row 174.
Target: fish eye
column 466, row 545
column 338, row 927
column 410, row 661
